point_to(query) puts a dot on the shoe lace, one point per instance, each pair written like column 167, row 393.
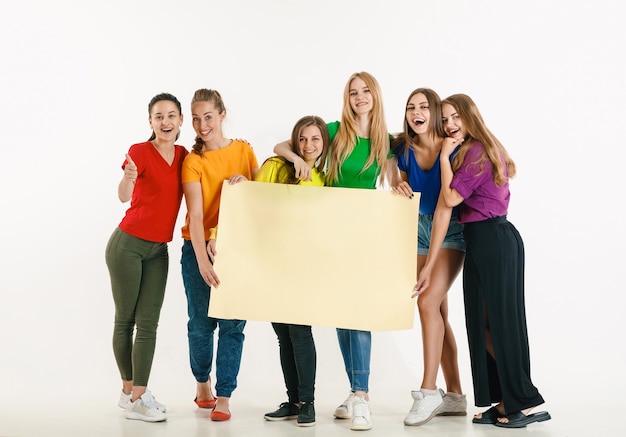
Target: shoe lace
column 148, row 400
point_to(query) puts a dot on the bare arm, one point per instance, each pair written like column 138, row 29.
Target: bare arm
column 303, row 171
column 394, row 175
column 451, row 196
column 400, row 185
column 127, row 184
column 193, row 199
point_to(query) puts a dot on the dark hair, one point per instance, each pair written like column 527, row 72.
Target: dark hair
column 206, row 95
column 160, row 98
column 402, row 143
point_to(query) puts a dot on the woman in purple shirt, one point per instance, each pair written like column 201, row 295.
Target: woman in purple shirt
column 493, row 271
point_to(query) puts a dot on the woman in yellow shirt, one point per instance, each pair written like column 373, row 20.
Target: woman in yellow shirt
column 309, row 140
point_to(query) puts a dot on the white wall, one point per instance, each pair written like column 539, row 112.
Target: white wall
column 76, row 79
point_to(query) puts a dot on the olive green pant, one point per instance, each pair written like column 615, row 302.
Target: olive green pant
column 138, row 270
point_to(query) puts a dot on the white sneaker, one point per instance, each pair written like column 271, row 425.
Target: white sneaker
column 361, row 419
column 126, row 401
column 145, row 408
column 453, row 405
column 424, row 407
column 344, row 411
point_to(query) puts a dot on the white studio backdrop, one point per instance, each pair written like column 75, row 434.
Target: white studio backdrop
column 76, row 79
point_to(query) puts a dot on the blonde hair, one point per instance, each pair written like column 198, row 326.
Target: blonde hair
column 346, row 138
column 493, row 150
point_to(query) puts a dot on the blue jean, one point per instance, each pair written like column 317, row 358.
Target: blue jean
column 201, row 329
column 356, row 348
column 453, row 239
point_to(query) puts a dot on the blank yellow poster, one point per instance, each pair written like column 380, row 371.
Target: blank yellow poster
column 336, row 257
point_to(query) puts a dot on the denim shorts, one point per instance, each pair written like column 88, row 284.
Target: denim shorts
column 453, row 240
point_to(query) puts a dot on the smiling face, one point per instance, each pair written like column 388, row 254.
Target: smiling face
column 452, row 123
column 361, row 100
column 206, row 120
column 165, row 120
column 418, row 114
column 310, row 144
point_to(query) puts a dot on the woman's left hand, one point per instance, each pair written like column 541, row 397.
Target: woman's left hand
column 236, row 178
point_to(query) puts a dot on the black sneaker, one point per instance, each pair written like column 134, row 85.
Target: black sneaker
column 306, row 414
column 286, row 411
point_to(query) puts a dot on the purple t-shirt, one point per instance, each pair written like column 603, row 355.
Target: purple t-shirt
column 482, row 198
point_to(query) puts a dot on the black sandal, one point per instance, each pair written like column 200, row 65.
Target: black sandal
column 489, row 417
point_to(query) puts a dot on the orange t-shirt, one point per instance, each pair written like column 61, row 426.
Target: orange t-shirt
column 211, row 169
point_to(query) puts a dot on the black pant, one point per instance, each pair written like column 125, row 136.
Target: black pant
column 493, row 289
column 298, row 360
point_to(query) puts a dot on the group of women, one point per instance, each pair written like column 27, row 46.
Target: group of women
column 445, row 152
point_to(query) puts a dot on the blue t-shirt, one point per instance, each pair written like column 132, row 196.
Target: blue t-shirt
column 426, row 182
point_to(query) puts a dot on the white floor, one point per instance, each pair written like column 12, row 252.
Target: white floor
column 100, row 417
column 58, row 376
column 75, row 395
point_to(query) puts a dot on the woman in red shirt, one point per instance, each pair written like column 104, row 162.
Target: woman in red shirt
column 137, row 255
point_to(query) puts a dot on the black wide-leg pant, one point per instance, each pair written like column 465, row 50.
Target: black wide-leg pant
column 493, row 289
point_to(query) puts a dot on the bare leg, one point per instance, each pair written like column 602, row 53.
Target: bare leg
column 437, row 336
column 362, row 394
column 489, row 347
column 222, row 405
column 203, row 391
column 138, row 392
column 127, row 387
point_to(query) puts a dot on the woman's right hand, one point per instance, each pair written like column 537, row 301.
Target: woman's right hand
column 130, row 169
column 303, row 171
column 448, row 146
column 211, row 249
column 403, row 189
column 208, row 274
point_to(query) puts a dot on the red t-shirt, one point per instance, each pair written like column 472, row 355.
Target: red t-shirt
column 157, row 194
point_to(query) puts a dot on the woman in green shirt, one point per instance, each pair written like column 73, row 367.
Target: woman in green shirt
column 359, row 157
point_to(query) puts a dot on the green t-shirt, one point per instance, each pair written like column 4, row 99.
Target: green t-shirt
column 350, row 175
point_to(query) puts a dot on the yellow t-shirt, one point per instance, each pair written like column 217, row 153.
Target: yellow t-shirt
column 269, row 173
column 211, row 169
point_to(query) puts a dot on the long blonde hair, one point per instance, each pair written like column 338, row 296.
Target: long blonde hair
column 493, row 150
column 346, row 138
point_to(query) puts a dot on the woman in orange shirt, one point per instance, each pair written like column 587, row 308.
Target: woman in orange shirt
column 213, row 160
